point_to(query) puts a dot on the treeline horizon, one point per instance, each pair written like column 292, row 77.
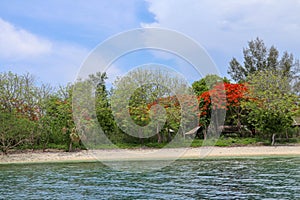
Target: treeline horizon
column 262, row 103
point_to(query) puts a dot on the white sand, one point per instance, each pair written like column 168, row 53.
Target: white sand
column 150, row 154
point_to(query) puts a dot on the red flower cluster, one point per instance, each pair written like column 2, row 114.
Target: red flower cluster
column 223, row 96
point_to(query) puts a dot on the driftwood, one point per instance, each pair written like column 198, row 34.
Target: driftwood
column 198, row 131
column 193, row 131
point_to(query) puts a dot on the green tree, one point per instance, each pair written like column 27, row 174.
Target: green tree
column 144, row 93
column 20, row 94
column 21, row 98
column 57, row 124
column 273, row 104
column 257, row 57
column 102, row 104
column 14, row 130
column 92, row 113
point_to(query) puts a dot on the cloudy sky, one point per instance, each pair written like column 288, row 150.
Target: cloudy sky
column 51, row 39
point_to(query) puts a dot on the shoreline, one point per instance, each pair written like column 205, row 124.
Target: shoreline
column 150, row 154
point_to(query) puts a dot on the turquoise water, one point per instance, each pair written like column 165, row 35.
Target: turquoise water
column 268, row 178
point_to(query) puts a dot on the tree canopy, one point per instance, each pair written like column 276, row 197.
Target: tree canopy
column 258, row 57
column 273, row 104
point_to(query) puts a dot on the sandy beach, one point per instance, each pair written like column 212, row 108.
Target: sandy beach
column 149, row 154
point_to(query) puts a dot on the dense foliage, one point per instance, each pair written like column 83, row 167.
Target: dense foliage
column 263, row 103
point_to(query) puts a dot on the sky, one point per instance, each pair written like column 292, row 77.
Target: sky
column 51, row 39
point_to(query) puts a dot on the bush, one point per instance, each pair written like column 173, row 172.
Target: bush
column 14, row 131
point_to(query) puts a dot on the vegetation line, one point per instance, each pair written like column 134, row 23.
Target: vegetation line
column 261, row 105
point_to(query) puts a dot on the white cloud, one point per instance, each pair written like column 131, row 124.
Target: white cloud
column 226, row 26
column 60, row 34
column 17, row 43
column 51, row 61
column 62, row 65
column 91, row 20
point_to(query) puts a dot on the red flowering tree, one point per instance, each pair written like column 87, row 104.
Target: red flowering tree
column 215, row 99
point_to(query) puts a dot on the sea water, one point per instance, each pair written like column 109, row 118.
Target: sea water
column 255, row 178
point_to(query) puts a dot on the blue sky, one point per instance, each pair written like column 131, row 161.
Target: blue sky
column 51, row 39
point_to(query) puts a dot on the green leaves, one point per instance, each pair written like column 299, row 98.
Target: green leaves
column 14, row 130
column 273, row 104
column 21, row 108
column 257, row 57
column 145, row 102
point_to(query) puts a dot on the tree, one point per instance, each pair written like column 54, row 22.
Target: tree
column 140, row 102
column 204, row 89
column 207, row 83
column 131, row 96
column 257, row 57
column 57, row 125
column 273, row 104
column 235, row 94
column 102, row 104
column 21, row 99
column 19, row 94
column 178, row 112
column 14, row 130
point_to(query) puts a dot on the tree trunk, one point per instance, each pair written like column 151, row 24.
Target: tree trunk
column 159, row 139
column 205, row 133
column 273, row 139
column 70, row 147
column 169, row 136
column 159, row 136
column 45, row 145
column 239, row 125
